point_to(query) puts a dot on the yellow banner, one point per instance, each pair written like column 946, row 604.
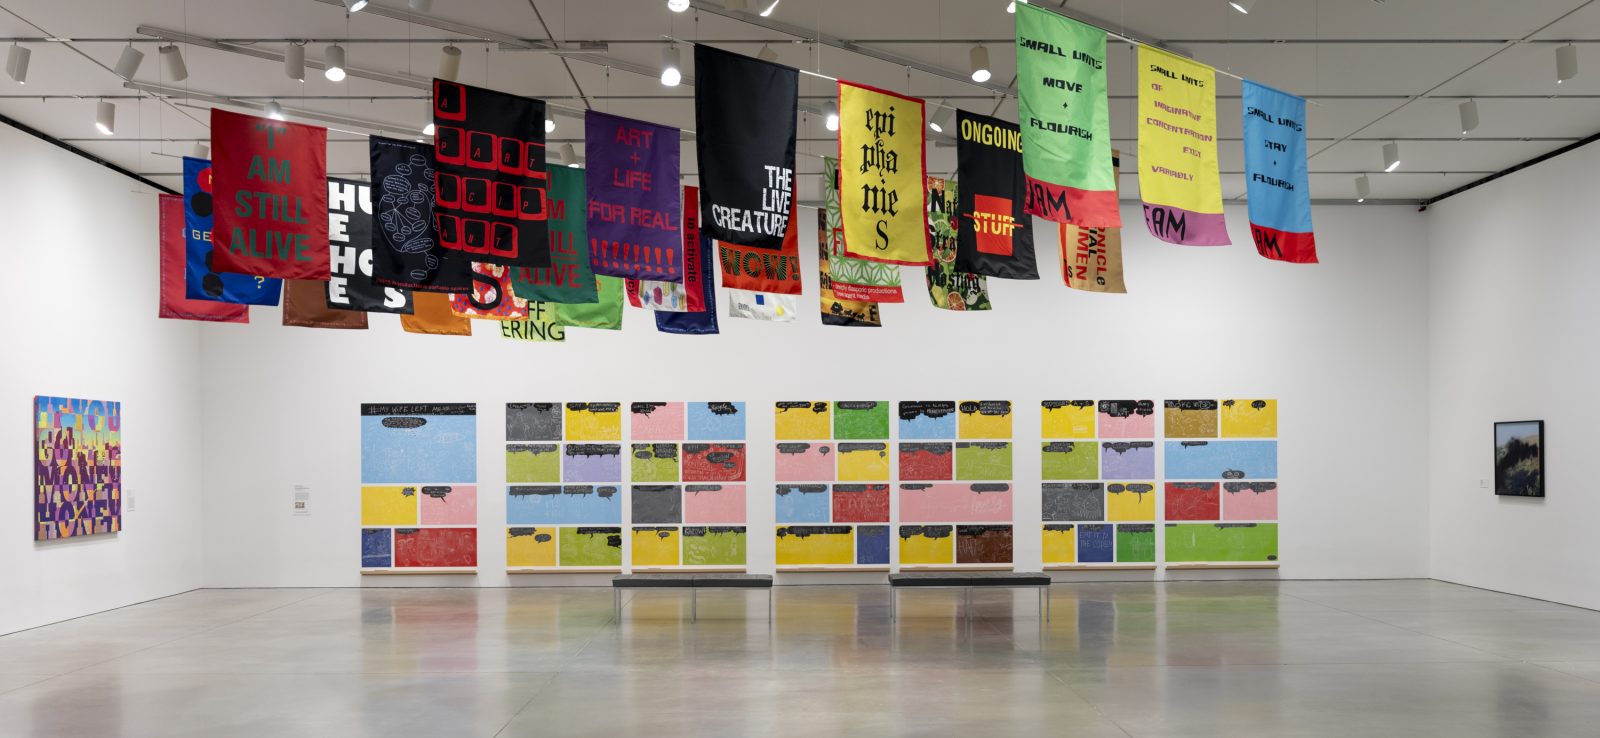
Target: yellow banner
column 1178, row 178
column 881, row 171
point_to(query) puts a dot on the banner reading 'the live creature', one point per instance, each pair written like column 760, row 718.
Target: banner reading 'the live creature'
column 1066, row 128
column 270, row 181
column 881, row 173
column 745, row 112
column 1275, row 174
column 1178, row 177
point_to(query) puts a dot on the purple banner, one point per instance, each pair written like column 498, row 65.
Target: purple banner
column 635, row 217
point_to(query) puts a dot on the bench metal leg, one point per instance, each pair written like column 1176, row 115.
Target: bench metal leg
column 893, row 594
column 694, row 604
column 968, row 610
column 769, row 607
column 616, row 605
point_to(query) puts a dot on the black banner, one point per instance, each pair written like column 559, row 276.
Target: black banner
column 350, row 286
column 491, row 199
column 405, row 249
column 745, row 115
column 995, row 237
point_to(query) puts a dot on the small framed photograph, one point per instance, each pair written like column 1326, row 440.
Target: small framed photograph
column 1519, row 458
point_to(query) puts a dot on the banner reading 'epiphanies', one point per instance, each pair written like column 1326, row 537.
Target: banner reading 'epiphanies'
column 1275, row 174
column 1066, row 128
column 1178, row 177
column 881, row 173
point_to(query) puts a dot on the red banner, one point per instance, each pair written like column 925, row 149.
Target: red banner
column 694, row 272
column 764, row 270
column 174, row 304
column 270, row 180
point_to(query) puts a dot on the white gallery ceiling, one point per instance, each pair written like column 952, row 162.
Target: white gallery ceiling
column 1374, row 70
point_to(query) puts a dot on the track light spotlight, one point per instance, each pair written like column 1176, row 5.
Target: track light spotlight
column 549, row 125
column 670, row 76
column 1242, row 6
column 333, row 59
column 980, row 63
column 1391, row 156
column 1011, row 7
column 427, row 130
column 275, row 111
column 569, row 155
column 17, row 63
column 172, row 59
column 770, row 8
column 1363, row 188
column 767, row 53
column 449, row 63
column 200, row 151
column 830, row 115
column 1469, row 116
column 294, row 62
column 1566, row 63
column 677, row 6
column 128, row 63
column 422, row 6
column 354, row 6
column 941, row 118
column 105, row 117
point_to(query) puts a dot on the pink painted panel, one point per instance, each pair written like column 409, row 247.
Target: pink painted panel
column 455, row 504
column 955, row 503
column 657, row 421
column 715, row 504
column 805, row 462
column 1249, row 500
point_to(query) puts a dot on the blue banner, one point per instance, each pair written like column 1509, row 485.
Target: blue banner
column 695, row 277
column 200, row 282
column 1275, row 174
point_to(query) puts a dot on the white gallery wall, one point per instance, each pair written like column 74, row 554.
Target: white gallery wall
column 80, row 306
column 1512, row 310
column 1342, row 346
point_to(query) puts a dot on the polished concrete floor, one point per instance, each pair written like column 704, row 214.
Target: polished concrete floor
column 1384, row 658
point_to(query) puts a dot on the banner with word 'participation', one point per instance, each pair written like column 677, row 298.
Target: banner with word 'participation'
column 271, row 177
column 1066, row 127
column 881, row 174
column 634, row 209
column 1178, row 177
column 1275, row 174
column 569, row 279
column 854, row 279
column 996, row 232
column 174, row 304
column 1091, row 258
column 201, row 280
column 948, row 287
column 745, row 111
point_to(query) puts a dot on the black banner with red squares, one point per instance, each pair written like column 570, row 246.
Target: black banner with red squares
column 491, row 194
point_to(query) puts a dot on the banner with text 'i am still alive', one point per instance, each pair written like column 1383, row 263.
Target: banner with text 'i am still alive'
column 1275, row 174
column 1066, row 128
column 270, row 179
column 1178, row 178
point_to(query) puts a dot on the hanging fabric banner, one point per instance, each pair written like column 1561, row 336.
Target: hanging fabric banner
column 405, row 241
column 540, row 325
column 745, row 111
column 761, row 306
column 491, row 297
column 433, row 315
column 853, row 279
column 836, row 311
column 569, row 278
column 633, row 213
column 604, row 313
column 305, row 305
column 270, row 177
column 697, row 281
column 762, row 270
column 881, row 157
column 201, row 281
column 350, row 253
column 667, row 297
column 1091, row 258
column 490, row 200
column 675, row 296
column 1178, row 177
column 1066, row 129
column 947, row 287
column 996, row 232
column 1275, row 174
column 174, row 304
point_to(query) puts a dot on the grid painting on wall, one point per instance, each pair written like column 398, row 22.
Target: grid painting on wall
column 687, row 464
column 419, row 495
column 564, row 486
column 955, row 483
column 1099, row 482
column 832, row 484
column 1221, row 481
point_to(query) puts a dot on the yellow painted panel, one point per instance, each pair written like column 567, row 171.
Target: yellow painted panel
column 869, row 465
column 812, row 548
column 531, row 546
column 813, row 422
column 982, row 425
column 1068, row 421
column 920, row 549
column 1249, row 418
column 1061, row 546
column 389, row 505
column 588, row 425
column 1135, row 501
column 655, row 547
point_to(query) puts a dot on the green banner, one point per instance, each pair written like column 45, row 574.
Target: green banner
column 1066, row 128
column 604, row 313
column 569, row 279
column 854, row 279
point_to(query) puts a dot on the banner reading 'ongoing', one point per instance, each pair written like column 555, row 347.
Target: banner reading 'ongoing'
column 490, row 198
column 270, row 177
column 1275, row 174
column 1178, row 177
column 633, row 198
column 745, row 112
column 995, row 230
column 881, row 173
column 1066, row 129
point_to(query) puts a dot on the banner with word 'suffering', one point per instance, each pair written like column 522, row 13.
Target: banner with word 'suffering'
column 1091, row 258
column 745, row 111
column 540, row 325
column 174, row 303
column 1178, row 177
column 852, row 279
column 1275, row 174
column 995, row 231
column 491, row 296
column 272, row 177
column 881, row 174
column 948, row 287
column 634, row 210
column 1066, row 126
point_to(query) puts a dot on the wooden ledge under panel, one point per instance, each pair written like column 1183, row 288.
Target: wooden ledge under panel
column 842, row 569
column 955, row 567
column 689, row 570
column 1099, row 567
column 564, row 570
column 418, row 571
column 1238, row 565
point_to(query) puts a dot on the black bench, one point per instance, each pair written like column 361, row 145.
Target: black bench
column 692, row 581
column 967, row 580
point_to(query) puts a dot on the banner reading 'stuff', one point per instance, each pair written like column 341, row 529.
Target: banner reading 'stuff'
column 1275, row 174
column 270, row 181
column 881, row 173
column 1066, row 129
column 1178, row 176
